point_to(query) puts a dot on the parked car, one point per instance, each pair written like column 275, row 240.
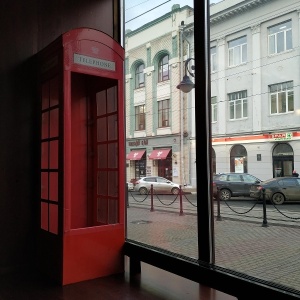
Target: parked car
column 278, row 190
column 233, row 184
column 160, row 185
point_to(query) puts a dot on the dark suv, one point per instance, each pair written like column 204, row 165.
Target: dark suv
column 233, row 184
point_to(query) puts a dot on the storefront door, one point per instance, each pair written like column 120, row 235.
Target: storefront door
column 165, row 168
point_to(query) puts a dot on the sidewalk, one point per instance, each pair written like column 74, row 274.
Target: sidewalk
column 244, row 245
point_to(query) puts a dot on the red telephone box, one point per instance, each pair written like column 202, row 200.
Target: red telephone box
column 82, row 228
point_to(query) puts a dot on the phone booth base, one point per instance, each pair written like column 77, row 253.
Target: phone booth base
column 82, row 211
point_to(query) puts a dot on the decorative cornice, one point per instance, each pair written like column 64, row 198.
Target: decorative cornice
column 240, row 8
column 168, row 15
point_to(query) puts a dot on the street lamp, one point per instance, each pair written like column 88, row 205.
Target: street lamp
column 186, row 85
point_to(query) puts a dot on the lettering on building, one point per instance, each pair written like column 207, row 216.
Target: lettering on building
column 285, row 136
column 138, row 143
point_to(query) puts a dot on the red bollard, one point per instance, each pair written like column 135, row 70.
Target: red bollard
column 180, row 201
column 151, row 192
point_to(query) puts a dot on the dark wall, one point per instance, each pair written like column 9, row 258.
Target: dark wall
column 27, row 27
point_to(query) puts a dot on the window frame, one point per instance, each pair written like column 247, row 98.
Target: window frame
column 163, row 66
column 163, row 113
column 214, row 109
column 274, row 101
column 240, row 49
column 276, row 40
column 140, row 117
column 139, row 74
column 239, row 98
column 213, row 59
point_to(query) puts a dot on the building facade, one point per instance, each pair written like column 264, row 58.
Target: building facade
column 158, row 129
column 255, row 104
column 255, row 87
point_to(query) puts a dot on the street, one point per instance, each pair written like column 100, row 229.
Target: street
column 243, row 242
column 235, row 206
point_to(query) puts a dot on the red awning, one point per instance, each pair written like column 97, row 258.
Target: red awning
column 135, row 154
column 159, row 154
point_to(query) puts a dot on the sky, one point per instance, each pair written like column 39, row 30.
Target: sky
column 148, row 10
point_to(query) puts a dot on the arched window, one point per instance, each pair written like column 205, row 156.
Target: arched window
column 163, row 69
column 283, row 160
column 140, row 76
column 238, row 159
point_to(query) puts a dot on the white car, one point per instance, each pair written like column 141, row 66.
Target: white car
column 160, row 185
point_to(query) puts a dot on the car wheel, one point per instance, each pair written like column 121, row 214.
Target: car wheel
column 143, row 191
column 278, row 198
column 175, row 191
column 225, row 194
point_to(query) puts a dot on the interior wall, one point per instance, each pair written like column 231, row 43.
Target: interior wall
column 27, row 27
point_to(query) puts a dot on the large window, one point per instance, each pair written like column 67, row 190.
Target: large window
column 280, row 37
column 238, row 101
column 237, row 51
column 140, row 76
column 281, row 97
column 140, row 117
column 163, row 68
column 163, row 113
column 238, row 108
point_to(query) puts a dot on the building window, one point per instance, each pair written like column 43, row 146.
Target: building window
column 163, row 69
column 238, row 159
column 237, row 51
column 163, row 113
column 214, row 109
column 281, row 97
column 283, row 160
column 140, row 117
column 140, row 76
column 213, row 59
column 238, row 105
column 280, row 37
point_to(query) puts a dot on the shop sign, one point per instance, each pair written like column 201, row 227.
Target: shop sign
column 94, row 62
column 285, row 136
column 138, row 143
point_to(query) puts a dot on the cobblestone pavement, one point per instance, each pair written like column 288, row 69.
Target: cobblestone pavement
column 271, row 253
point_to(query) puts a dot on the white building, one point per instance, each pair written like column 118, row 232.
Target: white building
column 158, row 129
column 255, row 86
